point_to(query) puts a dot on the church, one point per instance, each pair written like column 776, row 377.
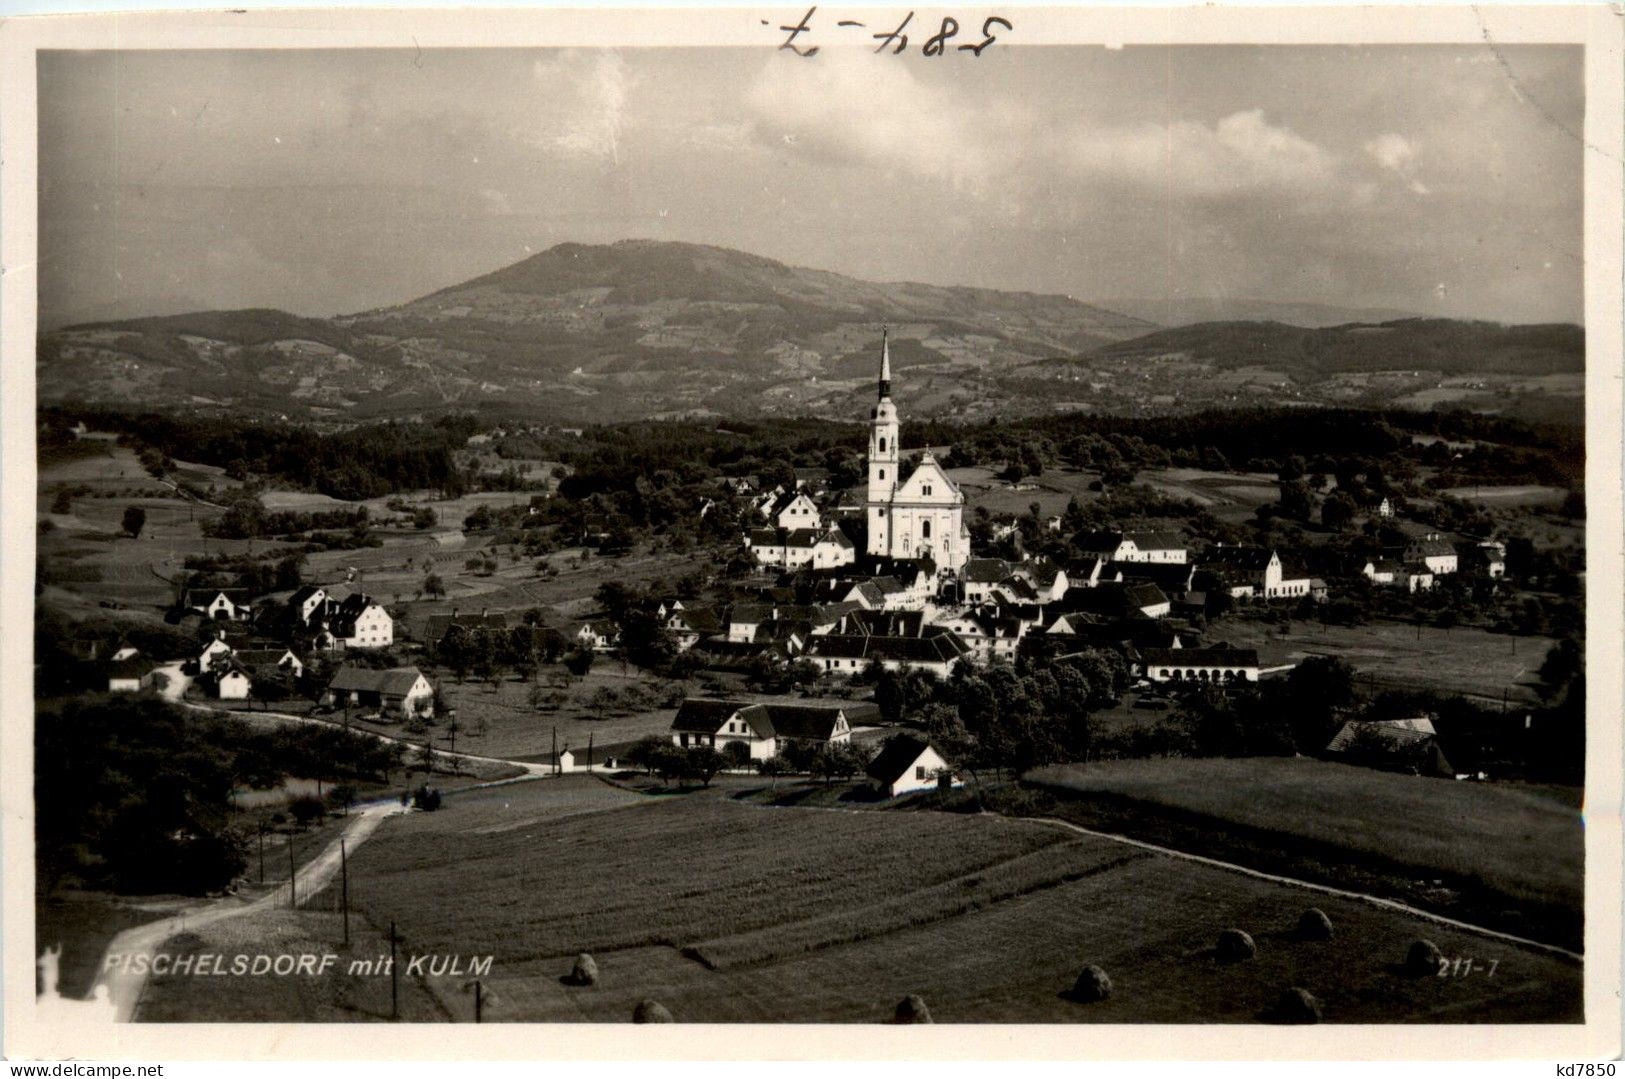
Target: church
column 922, row 516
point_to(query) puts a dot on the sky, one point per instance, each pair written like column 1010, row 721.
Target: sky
column 1444, row 180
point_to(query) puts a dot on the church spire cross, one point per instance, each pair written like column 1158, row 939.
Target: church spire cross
column 885, row 365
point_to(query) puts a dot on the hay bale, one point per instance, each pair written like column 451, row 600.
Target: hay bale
column 1234, row 946
column 585, row 971
column 1423, row 958
column 1093, row 985
column 1296, row 1005
column 1314, row 925
column 911, row 1009
column 651, row 1011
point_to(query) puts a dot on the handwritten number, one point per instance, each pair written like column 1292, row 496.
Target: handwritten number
column 987, row 34
column 896, row 36
column 938, row 41
column 801, row 27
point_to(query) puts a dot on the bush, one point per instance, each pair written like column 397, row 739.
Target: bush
column 426, row 798
column 1295, row 1005
column 651, row 1011
column 1423, row 959
column 1314, row 925
column 585, row 971
column 911, row 1009
column 1234, row 946
column 1093, row 985
column 306, row 809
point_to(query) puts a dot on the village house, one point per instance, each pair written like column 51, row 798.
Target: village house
column 1409, row 744
column 436, row 626
column 692, row 624
column 815, row 548
column 793, row 510
column 131, row 674
column 1388, row 573
column 307, row 603
column 906, row 764
column 1484, row 558
column 599, row 635
column 1134, row 546
column 215, row 650
column 358, row 622
column 284, row 659
column 1433, row 551
column 223, row 604
column 1217, row 664
column 1125, row 599
column 228, row 681
column 403, row 691
column 936, row 651
column 768, row 728
column 1252, row 573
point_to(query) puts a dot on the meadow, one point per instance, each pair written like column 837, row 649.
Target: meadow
column 1471, row 662
column 729, row 912
column 1471, row 843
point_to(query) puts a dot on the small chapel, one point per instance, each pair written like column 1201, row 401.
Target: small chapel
column 922, row 516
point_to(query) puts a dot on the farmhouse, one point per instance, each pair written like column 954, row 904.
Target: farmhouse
column 907, row 764
column 1134, row 546
column 219, row 603
column 1485, row 558
column 793, row 548
column 307, row 603
column 358, row 622
column 131, row 674
column 767, row 728
column 937, row 651
column 436, row 625
column 228, row 682
column 1216, row 664
column 1411, row 743
column 402, row 690
column 1434, row 552
column 1127, row 599
column 599, row 635
column 277, row 658
column 793, row 510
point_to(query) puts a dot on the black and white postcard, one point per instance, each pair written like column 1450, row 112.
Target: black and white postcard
column 743, row 532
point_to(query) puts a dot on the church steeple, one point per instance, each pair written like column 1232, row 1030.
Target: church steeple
column 885, row 365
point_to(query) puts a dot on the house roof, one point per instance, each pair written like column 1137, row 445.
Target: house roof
column 986, row 570
column 1156, row 541
column 262, row 657
column 436, row 625
column 134, row 667
column 394, row 682
column 1217, row 656
column 1250, row 559
column 940, row 647
column 304, row 592
column 896, row 757
column 702, row 716
column 1398, row 733
column 809, row 719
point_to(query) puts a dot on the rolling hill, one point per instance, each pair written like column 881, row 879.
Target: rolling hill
column 638, row 328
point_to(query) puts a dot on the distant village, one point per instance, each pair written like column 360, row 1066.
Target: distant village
column 846, row 582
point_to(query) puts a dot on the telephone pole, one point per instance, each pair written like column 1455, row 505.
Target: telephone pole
column 555, row 751
column 293, row 879
column 394, row 978
column 262, row 849
column 344, row 889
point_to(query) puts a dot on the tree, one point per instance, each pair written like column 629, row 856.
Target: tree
column 135, row 519
column 774, row 767
column 838, row 760
column 737, row 753
column 579, row 662
column 1338, row 511
column 434, row 587
column 704, row 762
column 645, row 751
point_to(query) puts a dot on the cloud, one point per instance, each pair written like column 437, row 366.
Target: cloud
column 588, row 92
column 842, row 107
column 1397, row 154
column 1241, row 154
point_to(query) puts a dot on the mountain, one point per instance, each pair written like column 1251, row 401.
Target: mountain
column 580, row 333
column 1189, row 310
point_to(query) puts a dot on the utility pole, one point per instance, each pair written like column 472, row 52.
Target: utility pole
column 589, row 751
column 293, row 879
column 262, row 849
column 344, row 889
column 555, row 751
column 478, row 1002
column 394, row 978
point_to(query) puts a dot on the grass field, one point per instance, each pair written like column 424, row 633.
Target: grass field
column 1472, row 662
column 1455, row 843
column 726, row 912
